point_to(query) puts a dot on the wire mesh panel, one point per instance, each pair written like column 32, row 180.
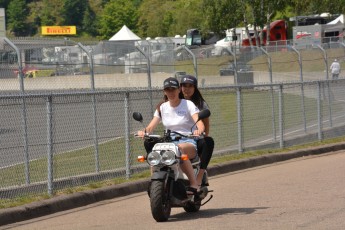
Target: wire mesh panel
column 285, row 64
column 69, row 139
column 11, row 142
column 215, row 69
column 9, row 68
column 71, row 128
column 299, row 118
column 259, row 109
column 62, row 64
column 223, row 120
column 73, row 136
column 146, row 103
column 161, row 53
column 334, row 114
column 112, row 61
column 23, row 152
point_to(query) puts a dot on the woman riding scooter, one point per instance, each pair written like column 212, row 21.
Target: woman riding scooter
column 179, row 115
column 190, row 91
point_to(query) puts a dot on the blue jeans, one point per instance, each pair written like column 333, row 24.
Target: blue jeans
column 186, row 140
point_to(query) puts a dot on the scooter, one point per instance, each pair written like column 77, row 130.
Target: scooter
column 168, row 184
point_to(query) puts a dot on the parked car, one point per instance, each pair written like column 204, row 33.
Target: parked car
column 230, row 70
column 220, row 51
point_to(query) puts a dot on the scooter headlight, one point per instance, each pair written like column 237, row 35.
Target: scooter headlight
column 168, row 157
column 153, row 158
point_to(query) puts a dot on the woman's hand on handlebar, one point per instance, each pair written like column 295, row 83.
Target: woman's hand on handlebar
column 141, row 134
column 198, row 132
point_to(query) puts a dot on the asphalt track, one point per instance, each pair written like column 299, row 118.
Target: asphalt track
column 67, row 202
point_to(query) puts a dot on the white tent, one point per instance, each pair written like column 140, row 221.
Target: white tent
column 125, row 34
column 339, row 19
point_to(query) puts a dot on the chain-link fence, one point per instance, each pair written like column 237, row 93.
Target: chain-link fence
column 47, row 64
column 67, row 139
column 62, row 128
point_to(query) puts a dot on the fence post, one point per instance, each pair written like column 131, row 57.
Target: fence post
column 239, row 119
column 147, row 56
column 235, row 65
column 281, row 116
column 195, row 63
column 342, row 44
column 50, row 168
column 328, row 88
column 272, row 94
column 319, row 111
column 94, row 109
column 127, row 137
column 24, row 115
column 269, row 64
column 302, row 87
column 90, row 56
column 325, row 59
column 330, row 98
column 299, row 63
column 148, row 76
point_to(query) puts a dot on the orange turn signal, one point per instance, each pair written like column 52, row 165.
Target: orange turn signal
column 184, row 157
column 141, row 159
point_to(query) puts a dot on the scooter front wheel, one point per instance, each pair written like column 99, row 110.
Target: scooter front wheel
column 160, row 205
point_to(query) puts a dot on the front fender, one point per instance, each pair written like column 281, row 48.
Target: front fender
column 160, row 175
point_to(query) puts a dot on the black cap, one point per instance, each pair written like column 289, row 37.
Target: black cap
column 189, row 79
column 171, row 83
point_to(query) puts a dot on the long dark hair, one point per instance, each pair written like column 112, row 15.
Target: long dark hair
column 196, row 98
column 158, row 107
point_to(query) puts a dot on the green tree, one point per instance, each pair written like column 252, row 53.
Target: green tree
column 150, row 22
column 169, row 17
column 16, row 16
column 188, row 14
column 270, row 9
column 260, row 13
column 51, row 13
column 96, row 6
column 115, row 15
column 326, row 6
column 222, row 14
column 156, row 17
column 90, row 22
column 299, row 7
column 4, row 3
column 34, row 17
column 73, row 11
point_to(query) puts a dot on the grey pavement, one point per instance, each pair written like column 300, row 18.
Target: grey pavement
column 65, row 202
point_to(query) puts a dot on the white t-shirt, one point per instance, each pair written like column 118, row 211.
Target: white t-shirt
column 335, row 67
column 178, row 118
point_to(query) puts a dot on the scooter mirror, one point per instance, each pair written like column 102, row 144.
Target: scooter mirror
column 204, row 114
column 137, row 116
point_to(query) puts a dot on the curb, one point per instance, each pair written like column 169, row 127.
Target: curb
column 66, row 202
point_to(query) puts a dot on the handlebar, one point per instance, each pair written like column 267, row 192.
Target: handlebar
column 168, row 133
column 149, row 135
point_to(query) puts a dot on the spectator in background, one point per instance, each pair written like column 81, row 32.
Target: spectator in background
column 335, row 69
